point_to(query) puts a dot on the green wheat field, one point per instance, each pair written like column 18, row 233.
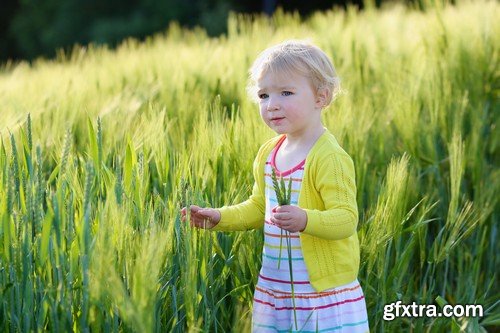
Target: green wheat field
column 101, row 148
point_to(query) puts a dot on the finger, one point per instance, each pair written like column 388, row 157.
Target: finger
column 208, row 213
column 281, row 224
column 283, row 209
column 284, row 216
column 204, row 212
column 194, row 208
column 197, row 215
column 274, row 221
column 199, row 218
column 281, row 216
column 196, row 223
column 205, row 223
column 285, row 224
column 205, row 215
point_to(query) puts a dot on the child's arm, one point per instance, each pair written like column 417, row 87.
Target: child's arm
column 335, row 182
column 244, row 216
column 250, row 213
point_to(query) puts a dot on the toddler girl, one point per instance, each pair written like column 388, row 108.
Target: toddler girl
column 293, row 82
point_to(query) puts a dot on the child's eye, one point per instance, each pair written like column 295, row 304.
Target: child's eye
column 287, row 93
column 263, row 96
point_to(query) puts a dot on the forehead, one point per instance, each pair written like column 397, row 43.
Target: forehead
column 281, row 79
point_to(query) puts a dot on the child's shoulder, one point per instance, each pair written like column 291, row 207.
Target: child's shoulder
column 329, row 155
column 327, row 145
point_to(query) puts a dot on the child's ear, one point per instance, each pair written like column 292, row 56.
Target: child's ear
column 322, row 97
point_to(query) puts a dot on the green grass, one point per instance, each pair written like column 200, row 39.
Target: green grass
column 91, row 182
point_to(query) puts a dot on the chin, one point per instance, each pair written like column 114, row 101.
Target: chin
column 279, row 130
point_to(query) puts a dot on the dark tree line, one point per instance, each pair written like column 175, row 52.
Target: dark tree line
column 32, row 28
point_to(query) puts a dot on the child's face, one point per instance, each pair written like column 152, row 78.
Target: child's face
column 289, row 104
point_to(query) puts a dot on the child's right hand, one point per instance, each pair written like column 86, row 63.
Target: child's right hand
column 205, row 218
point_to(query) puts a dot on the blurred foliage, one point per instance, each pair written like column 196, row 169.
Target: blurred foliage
column 33, row 28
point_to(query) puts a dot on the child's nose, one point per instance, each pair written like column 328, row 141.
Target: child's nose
column 272, row 104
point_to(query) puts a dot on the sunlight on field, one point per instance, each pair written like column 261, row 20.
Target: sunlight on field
column 118, row 141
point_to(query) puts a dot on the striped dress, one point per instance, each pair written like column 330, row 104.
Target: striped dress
column 340, row 309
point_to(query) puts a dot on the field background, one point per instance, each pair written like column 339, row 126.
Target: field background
column 99, row 150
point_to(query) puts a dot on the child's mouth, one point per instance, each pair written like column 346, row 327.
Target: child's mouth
column 277, row 120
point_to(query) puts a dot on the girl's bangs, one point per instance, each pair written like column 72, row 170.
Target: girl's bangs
column 283, row 67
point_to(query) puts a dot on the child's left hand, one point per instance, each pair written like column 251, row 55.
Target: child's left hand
column 290, row 218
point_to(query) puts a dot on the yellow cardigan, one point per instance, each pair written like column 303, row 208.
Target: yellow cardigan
column 328, row 195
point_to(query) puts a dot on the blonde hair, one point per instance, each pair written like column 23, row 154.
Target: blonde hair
column 299, row 57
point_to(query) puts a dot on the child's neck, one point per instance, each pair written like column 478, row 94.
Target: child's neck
column 306, row 139
column 295, row 149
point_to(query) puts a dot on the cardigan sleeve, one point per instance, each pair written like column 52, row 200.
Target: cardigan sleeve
column 250, row 213
column 335, row 182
